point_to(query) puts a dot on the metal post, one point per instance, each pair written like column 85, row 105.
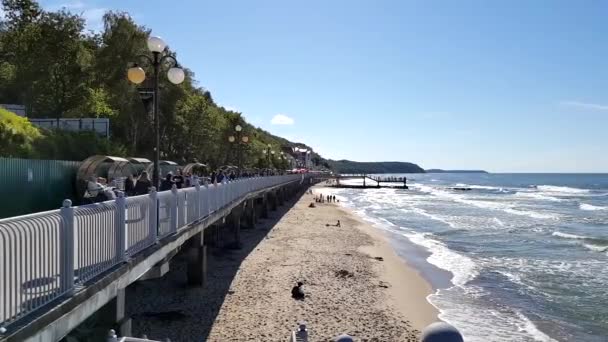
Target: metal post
column 197, row 186
column 120, row 227
column 156, row 176
column 153, row 218
column 67, row 248
column 174, row 203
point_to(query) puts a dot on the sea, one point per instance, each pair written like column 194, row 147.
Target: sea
column 518, row 257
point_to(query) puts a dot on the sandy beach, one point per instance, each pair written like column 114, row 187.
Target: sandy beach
column 353, row 280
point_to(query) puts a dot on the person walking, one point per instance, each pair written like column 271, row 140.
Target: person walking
column 167, row 183
column 143, row 184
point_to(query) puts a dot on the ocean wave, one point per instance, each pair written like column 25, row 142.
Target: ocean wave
column 592, row 243
column 562, row 189
column 537, row 195
column 569, row 236
column 465, row 308
column 463, row 269
column 423, row 212
column 531, row 329
column 595, row 248
column 590, row 207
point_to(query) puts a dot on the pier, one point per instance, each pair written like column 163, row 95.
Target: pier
column 376, row 181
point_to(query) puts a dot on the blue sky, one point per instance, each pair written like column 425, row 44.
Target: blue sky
column 498, row 85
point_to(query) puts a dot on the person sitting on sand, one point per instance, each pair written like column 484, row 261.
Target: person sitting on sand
column 297, row 293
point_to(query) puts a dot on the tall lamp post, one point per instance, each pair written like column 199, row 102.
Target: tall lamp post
column 137, row 75
column 268, row 152
column 240, row 141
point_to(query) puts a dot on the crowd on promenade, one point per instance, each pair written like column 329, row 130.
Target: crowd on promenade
column 99, row 189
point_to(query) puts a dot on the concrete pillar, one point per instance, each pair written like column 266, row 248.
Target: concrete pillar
column 220, row 233
column 250, row 213
column 273, row 201
column 114, row 313
column 264, row 201
column 235, row 221
column 197, row 261
column 281, row 196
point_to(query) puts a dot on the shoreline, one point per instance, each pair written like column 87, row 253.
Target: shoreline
column 247, row 296
column 408, row 287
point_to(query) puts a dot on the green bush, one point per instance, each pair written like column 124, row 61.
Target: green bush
column 17, row 135
column 64, row 145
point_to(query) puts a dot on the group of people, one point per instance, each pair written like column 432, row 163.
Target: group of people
column 329, row 199
column 98, row 189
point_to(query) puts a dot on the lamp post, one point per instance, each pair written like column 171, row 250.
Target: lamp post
column 240, row 141
column 137, row 75
column 268, row 152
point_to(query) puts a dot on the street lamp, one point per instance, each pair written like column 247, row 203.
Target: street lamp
column 240, row 141
column 137, row 75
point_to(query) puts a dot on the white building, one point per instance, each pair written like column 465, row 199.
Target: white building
column 303, row 157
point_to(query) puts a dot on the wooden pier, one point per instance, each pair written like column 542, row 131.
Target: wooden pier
column 376, row 182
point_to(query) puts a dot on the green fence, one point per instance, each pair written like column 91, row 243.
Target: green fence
column 29, row 185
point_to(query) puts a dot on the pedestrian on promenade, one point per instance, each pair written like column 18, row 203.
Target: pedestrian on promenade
column 143, row 184
column 167, row 183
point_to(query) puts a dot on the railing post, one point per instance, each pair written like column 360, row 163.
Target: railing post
column 153, row 218
column 66, row 271
column 174, row 204
column 199, row 200
column 120, row 227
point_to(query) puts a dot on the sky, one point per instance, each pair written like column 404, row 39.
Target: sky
column 505, row 86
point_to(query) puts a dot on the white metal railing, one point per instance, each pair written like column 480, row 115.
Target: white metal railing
column 43, row 256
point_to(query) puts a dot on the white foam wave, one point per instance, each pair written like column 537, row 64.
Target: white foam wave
column 595, row 248
column 498, row 221
column 569, row 236
column 463, row 269
column 485, row 204
column 477, row 323
column 562, row 189
column 531, row 329
column 422, row 212
column 537, row 195
column 590, row 207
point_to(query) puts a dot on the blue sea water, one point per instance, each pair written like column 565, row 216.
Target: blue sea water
column 525, row 254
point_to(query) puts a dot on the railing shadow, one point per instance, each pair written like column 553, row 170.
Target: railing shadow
column 169, row 308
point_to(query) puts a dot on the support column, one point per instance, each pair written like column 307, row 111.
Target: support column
column 250, row 213
column 281, row 196
column 197, row 261
column 113, row 313
column 265, row 206
column 235, row 221
column 273, row 201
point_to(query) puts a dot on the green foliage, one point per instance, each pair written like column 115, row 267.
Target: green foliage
column 52, row 66
column 63, row 145
column 17, row 135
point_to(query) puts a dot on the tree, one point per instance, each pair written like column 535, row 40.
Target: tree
column 52, row 66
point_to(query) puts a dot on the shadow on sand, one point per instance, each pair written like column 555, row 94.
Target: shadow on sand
column 169, row 308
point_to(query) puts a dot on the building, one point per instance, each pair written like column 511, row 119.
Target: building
column 302, row 156
column 101, row 126
column 17, row 109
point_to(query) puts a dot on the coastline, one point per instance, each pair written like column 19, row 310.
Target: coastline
column 247, row 297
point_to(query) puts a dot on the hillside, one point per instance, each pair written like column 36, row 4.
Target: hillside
column 347, row 166
column 455, row 171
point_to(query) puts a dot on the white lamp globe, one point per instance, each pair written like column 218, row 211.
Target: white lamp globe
column 156, row 44
column 238, row 128
column 176, row 75
column 245, row 139
column 231, row 138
